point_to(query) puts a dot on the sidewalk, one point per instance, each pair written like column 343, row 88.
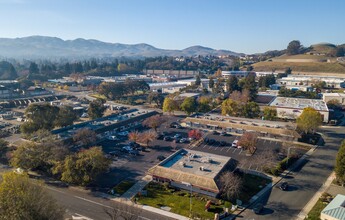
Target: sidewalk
column 137, row 187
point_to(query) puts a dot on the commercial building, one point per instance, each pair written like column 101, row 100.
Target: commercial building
column 304, row 80
column 192, row 170
column 291, row 108
column 106, row 125
column 167, row 87
column 4, row 92
column 238, row 74
column 337, row 96
column 335, row 210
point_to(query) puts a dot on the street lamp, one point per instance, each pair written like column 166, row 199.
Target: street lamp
column 190, row 198
column 288, row 156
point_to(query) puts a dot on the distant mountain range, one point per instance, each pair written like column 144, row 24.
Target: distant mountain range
column 41, row 47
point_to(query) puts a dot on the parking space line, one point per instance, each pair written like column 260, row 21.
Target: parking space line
column 209, row 147
column 240, row 151
column 234, row 150
column 204, row 146
column 228, row 149
column 221, row 149
column 216, row 148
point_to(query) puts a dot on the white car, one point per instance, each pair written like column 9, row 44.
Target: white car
column 235, row 144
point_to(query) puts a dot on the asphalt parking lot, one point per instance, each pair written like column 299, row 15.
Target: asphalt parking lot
column 126, row 166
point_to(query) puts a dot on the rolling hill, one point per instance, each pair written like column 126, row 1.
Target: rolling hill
column 318, row 58
column 37, row 47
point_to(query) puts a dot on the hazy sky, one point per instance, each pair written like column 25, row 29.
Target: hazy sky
column 247, row 26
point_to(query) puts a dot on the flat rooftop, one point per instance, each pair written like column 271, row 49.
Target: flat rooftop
column 298, row 103
column 195, row 162
column 334, row 94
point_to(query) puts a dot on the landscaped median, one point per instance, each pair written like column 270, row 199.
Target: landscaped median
column 122, row 187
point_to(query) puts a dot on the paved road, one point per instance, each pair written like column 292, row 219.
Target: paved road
column 304, row 180
column 94, row 208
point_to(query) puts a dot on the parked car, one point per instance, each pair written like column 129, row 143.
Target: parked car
column 211, row 141
column 134, row 144
column 177, row 136
column 283, row 186
column 215, row 132
column 167, row 138
column 235, row 144
column 223, row 143
column 258, row 208
column 223, row 133
column 175, row 125
column 160, row 137
column 160, row 158
column 126, row 148
column 183, row 140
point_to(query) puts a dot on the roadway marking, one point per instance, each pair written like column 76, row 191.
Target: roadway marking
column 204, row 146
column 80, row 217
column 97, row 203
column 234, row 150
column 216, row 148
column 228, row 149
column 221, row 149
column 240, row 151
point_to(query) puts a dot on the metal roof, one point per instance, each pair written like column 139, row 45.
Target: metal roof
column 336, row 208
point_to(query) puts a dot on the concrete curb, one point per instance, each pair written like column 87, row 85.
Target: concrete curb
column 165, row 213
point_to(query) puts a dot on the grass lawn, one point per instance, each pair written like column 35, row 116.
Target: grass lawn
column 315, row 212
column 252, row 184
column 178, row 201
column 122, row 187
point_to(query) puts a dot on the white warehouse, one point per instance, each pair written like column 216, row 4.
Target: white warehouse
column 291, row 108
column 304, row 80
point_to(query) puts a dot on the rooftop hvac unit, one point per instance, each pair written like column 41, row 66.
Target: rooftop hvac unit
column 201, row 168
column 182, row 164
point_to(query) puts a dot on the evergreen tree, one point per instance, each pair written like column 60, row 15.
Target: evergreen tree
column 33, row 68
column 251, row 85
column 294, row 47
column 340, row 164
column 232, row 84
column 211, row 83
column 197, row 80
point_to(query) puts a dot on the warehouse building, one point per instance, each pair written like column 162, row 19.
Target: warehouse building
column 291, row 108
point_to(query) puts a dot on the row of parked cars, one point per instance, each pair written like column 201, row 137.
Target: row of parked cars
column 177, row 138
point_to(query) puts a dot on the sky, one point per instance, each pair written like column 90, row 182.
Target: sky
column 247, row 26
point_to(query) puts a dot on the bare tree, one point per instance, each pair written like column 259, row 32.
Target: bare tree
column 154, row 121
column 147, row 137
column 123, row 211
column 84, row 136
column 248, row 141
column 230, row 185
column 266, row 158
column 134, row 136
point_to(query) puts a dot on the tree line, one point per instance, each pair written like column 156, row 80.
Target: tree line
column 116, row 90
